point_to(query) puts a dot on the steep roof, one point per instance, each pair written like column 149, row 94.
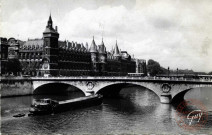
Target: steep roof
column 34, row 42
column 102, row 48
column 116, row 50
column 49, row 27
column 93, row 47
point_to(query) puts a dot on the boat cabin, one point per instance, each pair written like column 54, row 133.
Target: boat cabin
column 44, row 101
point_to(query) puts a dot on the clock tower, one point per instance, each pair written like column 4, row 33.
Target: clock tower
column 50, row 50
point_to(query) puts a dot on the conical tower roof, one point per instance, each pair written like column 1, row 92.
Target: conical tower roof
column 116, row 50
column 49, row 27
column 50, row 18
column 93, row 47
column 50, row 22
column 102, row 48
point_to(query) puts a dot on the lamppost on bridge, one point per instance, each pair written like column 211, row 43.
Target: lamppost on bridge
column 177, row 72
column 168, row 71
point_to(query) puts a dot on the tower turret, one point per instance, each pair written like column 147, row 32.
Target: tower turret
column 93, row 48
column 94, row 58
column 116, row 51
column 102, row 58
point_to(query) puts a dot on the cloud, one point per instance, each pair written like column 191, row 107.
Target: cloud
column 174, row 33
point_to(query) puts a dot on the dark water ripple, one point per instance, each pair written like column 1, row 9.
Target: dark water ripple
column 137, row 111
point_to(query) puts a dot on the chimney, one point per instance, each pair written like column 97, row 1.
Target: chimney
column 67, row 44
column 86, row 45
column 55, row 28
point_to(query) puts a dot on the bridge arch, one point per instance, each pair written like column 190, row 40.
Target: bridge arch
column 179, row 96
column 55, row 87
column 114, row 88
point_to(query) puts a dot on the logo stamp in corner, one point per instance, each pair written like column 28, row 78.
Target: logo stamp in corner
column 191, row 115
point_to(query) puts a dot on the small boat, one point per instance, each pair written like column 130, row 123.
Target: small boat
column 19, row 115
column 49, row 106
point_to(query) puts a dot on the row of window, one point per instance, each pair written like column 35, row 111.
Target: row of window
column 71, row 50
column 81, row 58
column 30, row 55
column 31, row 47
column 81, row 66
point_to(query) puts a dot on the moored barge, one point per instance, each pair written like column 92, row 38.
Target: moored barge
column 49, row 106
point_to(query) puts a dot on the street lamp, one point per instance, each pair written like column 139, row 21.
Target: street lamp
column 177, row 72
column 168, row 71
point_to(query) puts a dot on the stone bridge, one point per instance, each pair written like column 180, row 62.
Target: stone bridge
column 168, row 90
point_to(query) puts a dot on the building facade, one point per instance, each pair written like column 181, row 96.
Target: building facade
column 141, row 66
column 50, row 56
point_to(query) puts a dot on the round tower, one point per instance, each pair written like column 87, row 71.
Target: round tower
column 94, row 58
column 102, row 58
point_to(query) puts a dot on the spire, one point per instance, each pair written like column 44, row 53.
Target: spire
column 93, row 47
column 50, row 17
column 102, row 48
column 50, row 23
column 50, row 29
column 102, row 42
column 116, row 50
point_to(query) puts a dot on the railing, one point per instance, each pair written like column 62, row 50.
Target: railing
column 123, row 78
column 107, row 78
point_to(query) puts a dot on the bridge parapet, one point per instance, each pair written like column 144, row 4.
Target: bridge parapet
column 122, row 78
column 165, row 88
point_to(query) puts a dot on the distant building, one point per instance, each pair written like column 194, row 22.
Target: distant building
column 141, row 66
column 3, row 55
column 13, row 49
column 50, row 56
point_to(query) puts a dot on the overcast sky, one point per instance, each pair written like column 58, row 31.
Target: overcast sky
column 176, row 33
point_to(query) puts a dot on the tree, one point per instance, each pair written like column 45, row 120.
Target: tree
column 14, row 66
column 153, row 68
column 210, row 73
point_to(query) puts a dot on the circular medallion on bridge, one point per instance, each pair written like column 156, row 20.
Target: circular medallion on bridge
column 191, row 115
column 90, row 85
column 166, row 88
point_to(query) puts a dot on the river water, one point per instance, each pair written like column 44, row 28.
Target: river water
column 136, row 111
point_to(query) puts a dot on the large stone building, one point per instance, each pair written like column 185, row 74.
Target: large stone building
column 49, row 56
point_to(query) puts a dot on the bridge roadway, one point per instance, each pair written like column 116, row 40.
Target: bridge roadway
column 169, row 90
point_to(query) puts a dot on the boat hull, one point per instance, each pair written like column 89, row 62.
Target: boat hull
column 97, row 100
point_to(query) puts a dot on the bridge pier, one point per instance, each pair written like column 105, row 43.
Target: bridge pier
column 88, row 92
column 166, row 98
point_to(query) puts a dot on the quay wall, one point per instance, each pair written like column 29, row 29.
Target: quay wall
column 21, row 86
column 15, row 87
